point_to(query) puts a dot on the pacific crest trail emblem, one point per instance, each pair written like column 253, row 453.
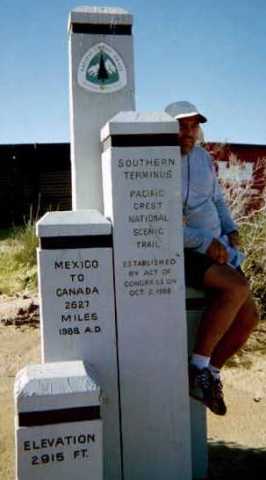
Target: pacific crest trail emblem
column 102, row 70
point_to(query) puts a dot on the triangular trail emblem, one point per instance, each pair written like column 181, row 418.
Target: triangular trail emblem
column 102, row 70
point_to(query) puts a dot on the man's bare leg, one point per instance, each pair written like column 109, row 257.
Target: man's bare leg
column 231, row 291
column 238, row 333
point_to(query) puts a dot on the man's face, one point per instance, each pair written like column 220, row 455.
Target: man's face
column 188, row 133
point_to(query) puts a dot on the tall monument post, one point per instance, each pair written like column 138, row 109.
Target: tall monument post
column 101, row 85
column 142, row 196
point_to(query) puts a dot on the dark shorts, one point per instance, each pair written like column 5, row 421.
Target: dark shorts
column 196, row 265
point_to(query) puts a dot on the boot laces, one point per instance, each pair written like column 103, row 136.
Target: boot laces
column 218, row 388
column 204, row 379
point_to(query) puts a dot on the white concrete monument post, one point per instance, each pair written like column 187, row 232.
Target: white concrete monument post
column 101, row 85
column 195, row 304
column 77, row 310
column 142, row 196
column 58, row 428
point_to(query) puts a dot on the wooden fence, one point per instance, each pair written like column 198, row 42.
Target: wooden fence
column 33, row 179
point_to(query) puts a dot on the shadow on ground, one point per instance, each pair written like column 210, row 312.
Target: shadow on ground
column 231, row 461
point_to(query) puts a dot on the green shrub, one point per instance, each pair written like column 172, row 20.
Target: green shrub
column 18, row 270
column 253, row 236
column 247, row 203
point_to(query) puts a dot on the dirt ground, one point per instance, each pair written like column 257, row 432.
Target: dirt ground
column 237, row 442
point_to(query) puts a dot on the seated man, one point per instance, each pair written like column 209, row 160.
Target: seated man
column 212, row 261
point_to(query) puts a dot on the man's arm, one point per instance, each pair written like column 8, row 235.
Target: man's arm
column 234, row 239
column 197, row 238
column 203, row 241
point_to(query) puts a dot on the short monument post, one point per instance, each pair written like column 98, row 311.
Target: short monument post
column 58, row 428
column 142, row 196
column 101, row 84
column 195, row 304
column 75, row 267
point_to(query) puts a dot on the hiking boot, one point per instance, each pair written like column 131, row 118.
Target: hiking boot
column 217, row 404
column 200, row 384
column 208, row 390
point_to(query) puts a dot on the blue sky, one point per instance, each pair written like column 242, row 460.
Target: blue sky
column 210, row 52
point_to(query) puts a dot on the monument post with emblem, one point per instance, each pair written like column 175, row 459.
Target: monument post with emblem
column 101, row 85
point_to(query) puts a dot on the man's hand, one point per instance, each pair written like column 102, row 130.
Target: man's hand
column 217, row 252
column 234, row 239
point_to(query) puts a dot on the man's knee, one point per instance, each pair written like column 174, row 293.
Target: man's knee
column 239, row 287
column 246, row 320
column 228, row 281
column 249, row 315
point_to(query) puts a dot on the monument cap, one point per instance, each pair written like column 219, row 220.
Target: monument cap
column 184, row 109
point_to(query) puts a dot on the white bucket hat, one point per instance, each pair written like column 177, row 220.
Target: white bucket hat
column 184, row 109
